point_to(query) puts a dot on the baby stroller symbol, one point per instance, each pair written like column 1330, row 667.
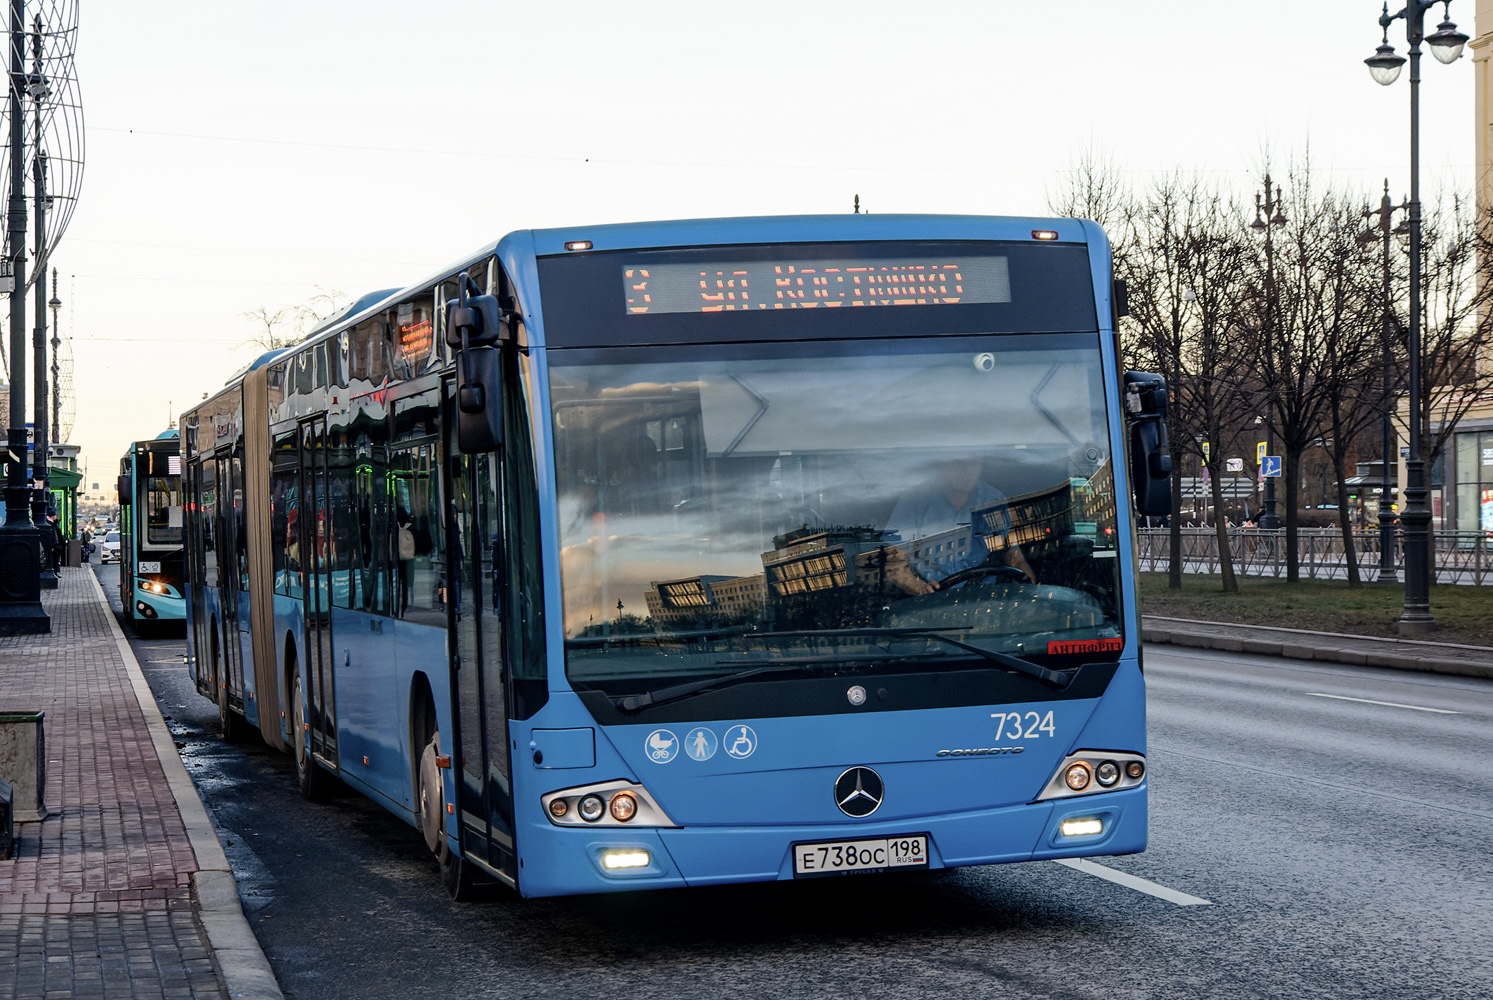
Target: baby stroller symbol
column 740, row 742
column 662, row 746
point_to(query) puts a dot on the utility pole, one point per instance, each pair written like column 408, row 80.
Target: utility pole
column 21, row 612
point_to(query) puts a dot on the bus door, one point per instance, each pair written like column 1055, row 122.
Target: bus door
column 202, row 573
column 228, row 651
column 314, row 542
column 479, row 674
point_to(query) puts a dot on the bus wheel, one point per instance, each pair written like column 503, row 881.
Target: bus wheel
column 230, row 725
column 312, row 779
column 430, row 800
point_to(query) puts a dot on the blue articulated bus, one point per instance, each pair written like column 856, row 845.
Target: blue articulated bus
column 699, row 552
column 152, row 579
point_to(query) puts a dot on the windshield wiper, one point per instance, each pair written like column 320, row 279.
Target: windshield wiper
column 786, row 665
column 1055, row 679
column 638, row 702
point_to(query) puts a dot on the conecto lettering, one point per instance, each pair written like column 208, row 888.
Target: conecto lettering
column 981, row 752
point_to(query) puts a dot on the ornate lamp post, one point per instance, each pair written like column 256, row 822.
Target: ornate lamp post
column 21, row 612
column 1269, row 214
column 1384, row 65
column 1384, row 215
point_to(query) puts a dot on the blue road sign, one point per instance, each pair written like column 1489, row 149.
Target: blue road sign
column 1271, row 466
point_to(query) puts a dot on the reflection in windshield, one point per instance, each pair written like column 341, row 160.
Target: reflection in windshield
column 163, row 510
column 708, row 500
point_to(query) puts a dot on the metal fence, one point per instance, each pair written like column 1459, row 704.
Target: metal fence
column 1461, row 557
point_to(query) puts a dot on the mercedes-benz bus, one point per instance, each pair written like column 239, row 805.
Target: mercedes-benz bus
column 686, row 553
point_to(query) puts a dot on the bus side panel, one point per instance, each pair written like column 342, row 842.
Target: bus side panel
column 245, row 640
column 376, row 658
column 290, row 653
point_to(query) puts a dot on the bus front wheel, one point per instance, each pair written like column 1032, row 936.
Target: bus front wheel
column 430, row 800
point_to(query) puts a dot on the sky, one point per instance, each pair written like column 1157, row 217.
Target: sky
column 242, row 159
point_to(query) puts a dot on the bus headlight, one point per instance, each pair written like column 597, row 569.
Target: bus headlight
column 591, row 808
column 610, row 803
column 623, row 807
column 1082, row 826
column 1093, row 772
column 620, row 859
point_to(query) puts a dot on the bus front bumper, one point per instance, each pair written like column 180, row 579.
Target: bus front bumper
column 607, row 859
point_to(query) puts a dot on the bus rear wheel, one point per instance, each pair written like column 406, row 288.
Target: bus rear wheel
column 312, row 780
column 433, row 808
column 231, row 725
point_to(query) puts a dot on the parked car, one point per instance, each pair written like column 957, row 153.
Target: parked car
column 109, row 551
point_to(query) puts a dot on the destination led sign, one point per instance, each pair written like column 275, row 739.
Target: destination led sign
column 743, row 286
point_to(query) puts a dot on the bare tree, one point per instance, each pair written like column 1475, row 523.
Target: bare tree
column 1456, row 325
column 289, row 324
column 1348, row 308
column 1182, row 263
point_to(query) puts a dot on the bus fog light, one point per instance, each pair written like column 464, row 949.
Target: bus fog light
column 1077, row 776
column 1134, row 770
column 591, row 808
column 623, row 807
column 1082, row 826
column 629, row 858
column 1107, row 773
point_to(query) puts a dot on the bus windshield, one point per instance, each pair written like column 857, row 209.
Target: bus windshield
column 162, row 496
column 726, row 508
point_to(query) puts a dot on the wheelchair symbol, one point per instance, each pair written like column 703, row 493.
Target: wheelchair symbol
column 740, row 742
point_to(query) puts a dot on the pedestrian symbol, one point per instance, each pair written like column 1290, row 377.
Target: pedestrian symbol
column 1270, row 467
column 700, row 744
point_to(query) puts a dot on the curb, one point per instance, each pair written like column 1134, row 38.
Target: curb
column 1327, row 647
column 241, row 962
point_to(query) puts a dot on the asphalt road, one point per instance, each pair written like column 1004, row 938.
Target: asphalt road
column 1315, row 831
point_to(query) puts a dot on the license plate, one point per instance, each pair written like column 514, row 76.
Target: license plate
column 840, row 857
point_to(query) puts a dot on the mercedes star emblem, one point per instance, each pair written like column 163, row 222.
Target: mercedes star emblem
column 858, row 792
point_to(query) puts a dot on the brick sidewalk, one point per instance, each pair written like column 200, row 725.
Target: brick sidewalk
column 104, row 896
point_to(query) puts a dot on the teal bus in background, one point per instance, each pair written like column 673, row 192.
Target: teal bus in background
column 687, row 553
column 152, row 584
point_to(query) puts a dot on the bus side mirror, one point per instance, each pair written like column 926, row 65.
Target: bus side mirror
column 1150, row 452
column 474, row 329
column 122, row 484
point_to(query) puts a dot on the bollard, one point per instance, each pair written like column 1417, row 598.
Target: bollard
column 23, row 763
column 7, row 823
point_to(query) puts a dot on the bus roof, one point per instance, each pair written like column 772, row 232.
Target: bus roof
column 742, row 230
column 808, row 229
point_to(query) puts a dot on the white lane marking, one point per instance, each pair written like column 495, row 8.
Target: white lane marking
column 1386, row 704
column 1132, row 882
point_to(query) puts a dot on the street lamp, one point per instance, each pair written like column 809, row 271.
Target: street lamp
column 1384, row 65
column 21, row 612
column 1385, row 216
column 1269, row 214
